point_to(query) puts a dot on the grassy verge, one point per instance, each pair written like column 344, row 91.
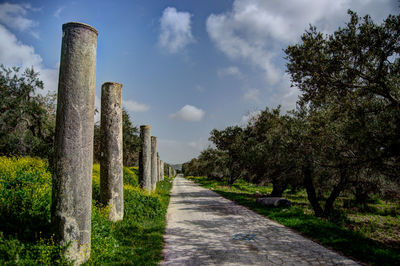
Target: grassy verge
column 25, row 236
column 138, row 238
column 337, row 234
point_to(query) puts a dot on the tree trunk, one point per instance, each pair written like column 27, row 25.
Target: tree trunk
column 277, row 189
column 311, row 195
column 335, row 193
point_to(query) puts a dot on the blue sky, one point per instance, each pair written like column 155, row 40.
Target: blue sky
column 186, row 66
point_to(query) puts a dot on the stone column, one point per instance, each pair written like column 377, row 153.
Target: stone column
column 111, row 172
column 145, row 158
column 159, row 168
column 169, row 171
column 162, row 171
column 154, row 168
column 73, row 157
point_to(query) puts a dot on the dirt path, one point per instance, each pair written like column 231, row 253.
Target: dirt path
column 204, row 228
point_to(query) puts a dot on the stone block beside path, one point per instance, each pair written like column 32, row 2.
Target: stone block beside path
column 274, row 202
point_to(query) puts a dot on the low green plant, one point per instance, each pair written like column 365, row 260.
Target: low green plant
column 25, row 200
column 138, row 238
column 25, row 196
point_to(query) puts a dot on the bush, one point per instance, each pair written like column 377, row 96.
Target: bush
column 129, row 177
column 25, row 200
column 25, row 196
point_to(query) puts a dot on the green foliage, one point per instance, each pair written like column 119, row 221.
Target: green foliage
column 131, row 141
column 231, row 141
column 96, row 182
column 131, row 176
column 25, row 196
column 42, row 252
column 130, row 138
column 344, row 136
column 27, row 119
column 211, row 162
column 329, row 232
column 138, row 238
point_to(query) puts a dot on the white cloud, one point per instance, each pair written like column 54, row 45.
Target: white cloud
column 13, row 16
column 257, row 30
column 15, row 53
column 135, row 106
column 188, row 113
column 58, row 11
column 230, row 71
column 175, row 30
column 252, row 95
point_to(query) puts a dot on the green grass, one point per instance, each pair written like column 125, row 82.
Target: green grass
column 343, row 234
column 25, row 236
column 25, row 198
column 138, row 238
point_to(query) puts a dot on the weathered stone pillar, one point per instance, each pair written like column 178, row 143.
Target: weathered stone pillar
column 154, row 168
column 111, row 172
column 145, row 158
column 159, row 168
column 169, row 171
column 73, row 157
column 162, row 171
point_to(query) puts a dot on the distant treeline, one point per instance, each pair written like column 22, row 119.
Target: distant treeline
column 345, row 132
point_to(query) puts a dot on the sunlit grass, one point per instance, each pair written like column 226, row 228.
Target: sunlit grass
column 25, row 236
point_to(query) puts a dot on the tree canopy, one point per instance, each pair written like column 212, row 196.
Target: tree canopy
column 344, row 134
column 27, row 118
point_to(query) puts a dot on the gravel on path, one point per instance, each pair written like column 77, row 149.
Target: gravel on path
column 204, row 228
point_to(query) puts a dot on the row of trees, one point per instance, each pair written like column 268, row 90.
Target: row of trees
column 345, row 132
column 27, row 119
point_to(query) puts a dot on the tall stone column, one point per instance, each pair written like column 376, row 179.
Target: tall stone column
column 73, row 158
column 111, row 172
column 162, row 171
column 159, row 168
column 169, row 171
column 154, row 168
column 145, row 158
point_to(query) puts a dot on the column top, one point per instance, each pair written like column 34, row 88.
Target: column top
column 79, row 24
column 144, row 126
column 111, row 83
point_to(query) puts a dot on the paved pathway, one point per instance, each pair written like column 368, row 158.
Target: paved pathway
column 204, row 228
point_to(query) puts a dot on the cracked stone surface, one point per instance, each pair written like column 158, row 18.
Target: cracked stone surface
column 204, row 228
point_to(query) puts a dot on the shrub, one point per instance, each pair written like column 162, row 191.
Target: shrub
column 25, row 196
